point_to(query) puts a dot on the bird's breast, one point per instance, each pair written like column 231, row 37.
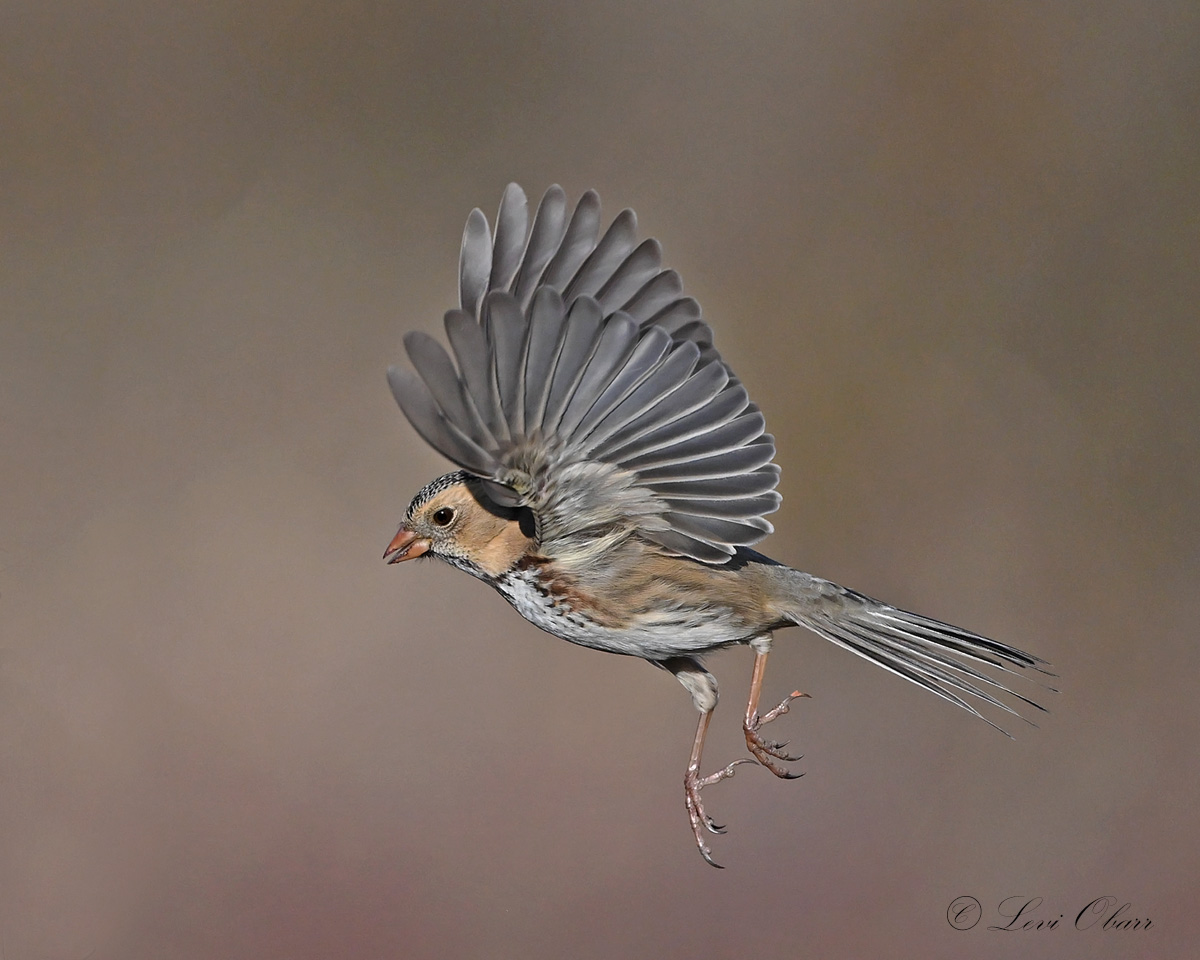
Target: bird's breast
column 617, row 622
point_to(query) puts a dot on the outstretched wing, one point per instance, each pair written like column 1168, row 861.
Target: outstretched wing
column 585, row 386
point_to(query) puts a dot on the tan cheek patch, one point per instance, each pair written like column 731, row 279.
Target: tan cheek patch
column 502, row 549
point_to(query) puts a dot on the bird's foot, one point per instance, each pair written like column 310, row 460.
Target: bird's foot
column 693, row 783
column 769, row 752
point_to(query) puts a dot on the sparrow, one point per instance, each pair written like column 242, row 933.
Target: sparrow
column 614, row 477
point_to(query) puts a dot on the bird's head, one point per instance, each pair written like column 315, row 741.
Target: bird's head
column 452, row 518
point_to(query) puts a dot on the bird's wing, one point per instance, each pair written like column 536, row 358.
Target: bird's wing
column 585, row 386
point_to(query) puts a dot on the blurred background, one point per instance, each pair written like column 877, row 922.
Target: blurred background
column 950, row 247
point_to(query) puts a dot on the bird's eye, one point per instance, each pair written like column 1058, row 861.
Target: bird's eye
column 443, row 517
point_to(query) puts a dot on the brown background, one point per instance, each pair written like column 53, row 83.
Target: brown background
column 952, row 249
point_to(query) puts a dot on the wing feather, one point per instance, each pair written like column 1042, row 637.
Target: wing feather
column 722, row 408
column 648, row 355
column 719, row 530
column 678, row 314
column 660, row 291
column 635, row 273
column 612, row 250
column 739, row 508
column 584, row 322
column 614, row 347
column 547, row 330
column 549, row 226
column 699, row 548
column 475, row 262
column 436, row 368
column 682, row 392
column 577, row 243
column 750, row 484
column 425, row 415
column 470, row 348
column 509, row 242
column 506, row 331
column 744, row 459
column 729, row 436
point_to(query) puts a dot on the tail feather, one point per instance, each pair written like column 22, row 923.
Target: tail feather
column 939, row 657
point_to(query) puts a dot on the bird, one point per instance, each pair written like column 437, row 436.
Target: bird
column 614, row 476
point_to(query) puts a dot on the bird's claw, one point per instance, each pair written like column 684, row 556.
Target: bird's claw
column 784, row 706
column 697, row 816
column 770, row 752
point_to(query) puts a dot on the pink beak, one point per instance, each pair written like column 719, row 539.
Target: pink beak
column 405, row 545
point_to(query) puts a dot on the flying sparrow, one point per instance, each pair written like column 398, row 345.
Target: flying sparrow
column 615, row 475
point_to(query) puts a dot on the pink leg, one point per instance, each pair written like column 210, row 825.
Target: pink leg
column 767, row 752
column 693, row 783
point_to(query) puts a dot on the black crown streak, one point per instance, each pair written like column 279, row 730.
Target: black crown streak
column 432, row 489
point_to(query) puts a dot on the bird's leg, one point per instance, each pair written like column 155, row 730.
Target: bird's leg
column 693, row 783
column 703, row 687
column 766, row 752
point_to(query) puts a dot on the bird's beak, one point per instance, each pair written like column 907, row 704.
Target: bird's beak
column 405, row 545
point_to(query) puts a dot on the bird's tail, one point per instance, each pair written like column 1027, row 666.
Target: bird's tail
column 949, row 661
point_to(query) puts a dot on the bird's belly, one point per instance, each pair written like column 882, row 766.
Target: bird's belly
column 674, row 630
